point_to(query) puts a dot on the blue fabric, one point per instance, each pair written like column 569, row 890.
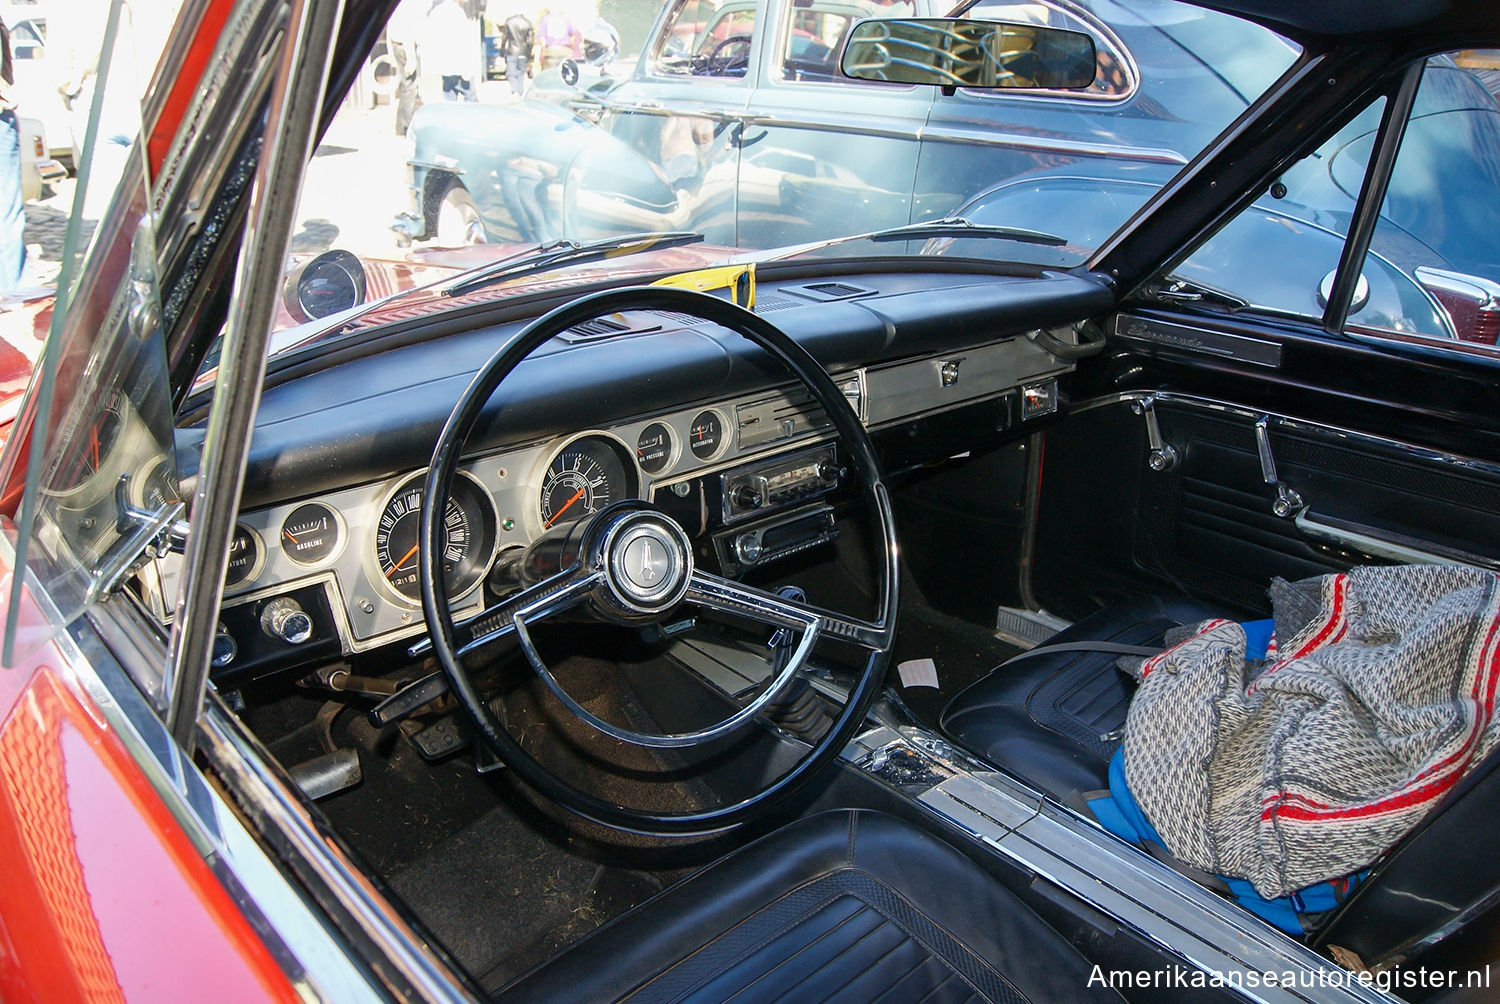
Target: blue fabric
column 12, row 209
column 1258, row 637
column 1121, row 815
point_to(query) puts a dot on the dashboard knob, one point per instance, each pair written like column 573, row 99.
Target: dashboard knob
column 225, row 648
column 284, row 619
column 831, row 472
column 744, row 496
column 747, row 546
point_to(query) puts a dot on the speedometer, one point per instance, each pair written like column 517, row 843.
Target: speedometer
column 468, row 537
column 584, row 477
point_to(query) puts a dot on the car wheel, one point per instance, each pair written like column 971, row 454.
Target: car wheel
column 458, row 220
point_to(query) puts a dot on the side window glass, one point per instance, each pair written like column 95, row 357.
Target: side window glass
column 1440, row 222
column 1280, row 255
column 705, row 38
column 817, row 31
column 1115, row 76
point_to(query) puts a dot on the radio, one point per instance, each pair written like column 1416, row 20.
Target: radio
column 760, row 488
column 776, row 538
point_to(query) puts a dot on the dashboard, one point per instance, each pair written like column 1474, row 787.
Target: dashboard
column 749, row 475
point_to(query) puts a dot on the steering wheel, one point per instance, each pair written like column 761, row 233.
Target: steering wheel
column 717, row 64
column 632, row 564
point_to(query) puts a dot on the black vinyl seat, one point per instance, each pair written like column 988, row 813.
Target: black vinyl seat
column 1052, row 719
column 849, row 905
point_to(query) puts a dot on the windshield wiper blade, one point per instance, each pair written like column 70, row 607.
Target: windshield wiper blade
column 958, row 226
column 556, row 254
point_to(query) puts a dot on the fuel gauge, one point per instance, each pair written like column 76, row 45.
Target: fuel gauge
column 310, row 534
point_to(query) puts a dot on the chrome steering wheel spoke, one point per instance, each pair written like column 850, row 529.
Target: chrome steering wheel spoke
column 547, row 598
column 737, row 599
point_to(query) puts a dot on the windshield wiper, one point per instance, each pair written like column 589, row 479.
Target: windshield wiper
column 958, row 226
column 556, row 254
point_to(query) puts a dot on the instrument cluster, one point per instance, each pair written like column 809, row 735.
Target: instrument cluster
column 355, row 551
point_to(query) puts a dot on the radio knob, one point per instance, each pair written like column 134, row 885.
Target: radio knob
column 831, row 472
column 744, row 496
column 747, row 546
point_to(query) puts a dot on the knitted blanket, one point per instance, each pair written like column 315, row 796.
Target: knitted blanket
column 1377, row 695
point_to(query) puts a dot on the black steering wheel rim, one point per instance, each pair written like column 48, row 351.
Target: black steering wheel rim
column 863, row 462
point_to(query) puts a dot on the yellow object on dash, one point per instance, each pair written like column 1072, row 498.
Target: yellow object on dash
column 738, row 279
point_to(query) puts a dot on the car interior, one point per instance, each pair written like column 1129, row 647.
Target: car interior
column 638, row 642
column 1048, row 490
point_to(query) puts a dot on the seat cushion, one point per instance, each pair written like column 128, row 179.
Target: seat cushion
column 849, row 906
column 1051, row 720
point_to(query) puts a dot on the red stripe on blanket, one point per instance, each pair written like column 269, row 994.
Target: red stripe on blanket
column 1432, row 783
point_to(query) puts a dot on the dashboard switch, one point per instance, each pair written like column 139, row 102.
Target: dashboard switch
column 284, row 618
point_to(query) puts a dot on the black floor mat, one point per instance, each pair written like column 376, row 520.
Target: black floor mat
column 501, row 878
column 961, row 651
column 501, row 896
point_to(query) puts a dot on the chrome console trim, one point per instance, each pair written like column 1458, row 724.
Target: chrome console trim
column 1161, row 905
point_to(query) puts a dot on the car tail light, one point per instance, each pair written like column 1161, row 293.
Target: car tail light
column 1486, row 327
column 38, row 148
column 1472, row 302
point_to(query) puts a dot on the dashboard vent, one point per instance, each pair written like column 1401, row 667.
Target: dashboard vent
column 774, row 301
column 825, row 291
column 599, row 327
column 686, row 320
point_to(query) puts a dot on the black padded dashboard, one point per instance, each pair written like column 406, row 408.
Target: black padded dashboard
column 370, row 416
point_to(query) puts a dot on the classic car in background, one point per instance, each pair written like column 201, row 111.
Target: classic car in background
column 647, row 618
column 737, row 122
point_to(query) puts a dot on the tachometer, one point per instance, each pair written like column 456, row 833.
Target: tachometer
column 468, row 537
column 584, row 477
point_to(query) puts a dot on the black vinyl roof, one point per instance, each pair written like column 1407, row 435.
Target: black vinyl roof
column 1409, row 23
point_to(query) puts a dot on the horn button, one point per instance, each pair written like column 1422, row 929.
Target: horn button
column 649, row 563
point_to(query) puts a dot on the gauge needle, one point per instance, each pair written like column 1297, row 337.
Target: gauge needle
column 94, row 445
column 576, row 496
column 404, row 558
column 289, row 536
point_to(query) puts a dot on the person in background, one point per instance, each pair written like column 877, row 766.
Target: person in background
column 520, row 39
column 559, row 37
column 402, row 34
column 451, row 49
column 12, row 212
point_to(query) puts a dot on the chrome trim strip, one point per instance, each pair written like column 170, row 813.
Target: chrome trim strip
column 1383, row 547
column 296, row 103
column 983, row 137
column 1420, row 453
column 271, row 798
column 1089, row 863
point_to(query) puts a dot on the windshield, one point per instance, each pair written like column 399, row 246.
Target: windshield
column 730, row 119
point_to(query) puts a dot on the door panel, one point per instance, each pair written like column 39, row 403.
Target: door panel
column 1206, row 526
